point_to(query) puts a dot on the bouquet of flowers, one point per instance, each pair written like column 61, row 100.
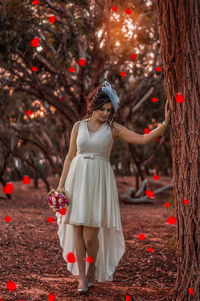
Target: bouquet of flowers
column 58, row 199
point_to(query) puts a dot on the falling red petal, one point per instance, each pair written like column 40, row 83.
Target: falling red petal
column 150, row 194
column 8, row 188
column 114, row 8
column 82, row 62
column 26, row 180
column 52, row 19
column 154, row 99
column 141, row 236
column 129, row 11
column 71, row 69
column 63, row 211
column 11, row 286
column 123, row 74
column 51, row 220
column 8, row 219
column 133, row 56
column 51, row 297
column 71, row 257
column 34, row 68
column 185, row 201
column 156, row 177
column 29, row 112
column 179, row 98
column 167, row 205
column 158, row 69
column 171, row 220
column 146, row 131
column 89, row 259
column 35, row 42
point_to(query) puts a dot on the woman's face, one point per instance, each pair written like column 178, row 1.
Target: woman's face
column 103, row 113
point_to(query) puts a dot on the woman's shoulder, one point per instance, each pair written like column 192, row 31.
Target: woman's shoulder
column 76, row 126
column 78, row 122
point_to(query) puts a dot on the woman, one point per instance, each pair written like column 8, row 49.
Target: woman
column 91, row 226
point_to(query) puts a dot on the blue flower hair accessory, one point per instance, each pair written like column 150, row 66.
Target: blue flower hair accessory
column 112, row 95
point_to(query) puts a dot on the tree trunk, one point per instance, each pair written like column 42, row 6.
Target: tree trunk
column 179, row 29
column 35, row 178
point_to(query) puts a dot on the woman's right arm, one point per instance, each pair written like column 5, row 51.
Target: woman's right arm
column 71, row 154
column 64, row 174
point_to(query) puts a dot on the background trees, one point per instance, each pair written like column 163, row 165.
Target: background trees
column 78, row 44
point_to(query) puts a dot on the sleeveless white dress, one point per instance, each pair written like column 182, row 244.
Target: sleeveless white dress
column 92, row 188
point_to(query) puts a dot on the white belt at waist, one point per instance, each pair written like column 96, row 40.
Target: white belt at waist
column 91, row 156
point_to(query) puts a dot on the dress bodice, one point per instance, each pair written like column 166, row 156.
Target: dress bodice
column 99, row 142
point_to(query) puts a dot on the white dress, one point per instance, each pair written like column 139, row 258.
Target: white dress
column 92, row 188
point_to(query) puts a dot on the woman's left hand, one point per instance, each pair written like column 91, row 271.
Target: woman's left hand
column 167, row 113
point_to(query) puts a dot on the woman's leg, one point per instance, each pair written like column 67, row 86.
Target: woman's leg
column 80, row 254
column 92, row 246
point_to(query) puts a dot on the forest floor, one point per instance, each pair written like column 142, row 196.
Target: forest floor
column 31, row 255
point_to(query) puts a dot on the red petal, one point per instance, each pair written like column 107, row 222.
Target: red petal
column 35, row 42
column 8, row 219
column 114, row 8
column 63, row 211
column 158, row 69
column 26, row 180
column 128, row 11
column 141, row 236
column 52, row 19
column 29, row 112
column 8, row 188
column 133, row 56
column 51, row 220
column 52, row 297
column 11, row 286
column 71, row 257
column 171, row 220
column 179, row 98
column 154, row 99
column 82, row 62
column 71, row 69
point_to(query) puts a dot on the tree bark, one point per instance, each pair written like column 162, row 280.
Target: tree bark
column 179, row 29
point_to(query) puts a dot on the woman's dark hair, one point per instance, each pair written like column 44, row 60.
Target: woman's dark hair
column 95, row 100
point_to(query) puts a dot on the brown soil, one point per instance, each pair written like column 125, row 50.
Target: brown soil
column 31, row 255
